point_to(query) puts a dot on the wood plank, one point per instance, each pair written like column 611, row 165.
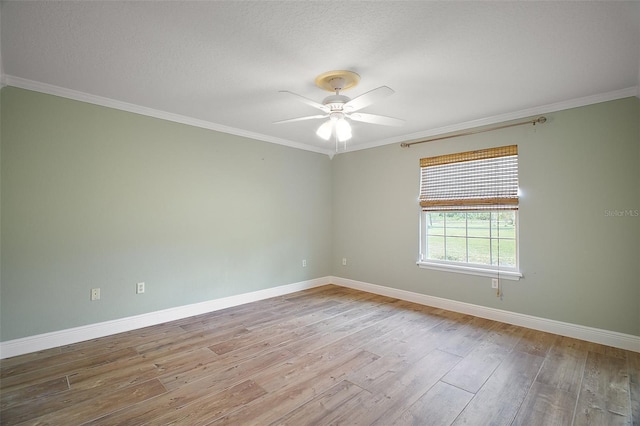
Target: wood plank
column 344, row 325
column 29, row 409
column 605, row 395
column 633, row 358
column 39, row 375
column 440, row 405
column 260, row 344
column 322, row 408
column 460, row 339
column 11, row 362
column 191, row 392
column 384, row 327
column 474, row 370
column 188, row 340
column 205, row 410
column 286, row 324
column 131, row 370
column 394, row 392
column 147, row 368
column 498, row 400
column 79, row 358
column 303, row 368
column 535, row 342
column 402, row 346
column 408, row 343
column 546, row 405
column 29, row 393
column 224, row 369
column 125, row 339
column 563, row 369
column 89, row 410
column 505, row 335
column 292, row 392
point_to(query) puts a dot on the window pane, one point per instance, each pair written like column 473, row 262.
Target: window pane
column 456, row 250
column 472, row 237
column 435, row 248
column 435, row 224
column 478, row 224
column 504, row 252
column 479, row 251
column 503, row 224
column 456, row 224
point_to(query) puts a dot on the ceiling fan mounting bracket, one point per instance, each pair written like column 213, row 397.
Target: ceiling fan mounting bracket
column 339, row 80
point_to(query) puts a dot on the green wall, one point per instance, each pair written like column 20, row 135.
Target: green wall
column 96, row 197
column 581, row 264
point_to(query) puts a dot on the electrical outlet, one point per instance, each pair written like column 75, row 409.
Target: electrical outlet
column 494, row 283
column 95, row 294
column 344, row 261
column 304, row 263
column 139, row 288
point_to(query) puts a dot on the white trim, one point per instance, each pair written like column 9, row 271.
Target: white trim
column 93, row 331
column 76, row 95
column 513, row 274
column 50, row 89
column 78, row 334
column 605, row 337
column 501, row 118
column 470, row 270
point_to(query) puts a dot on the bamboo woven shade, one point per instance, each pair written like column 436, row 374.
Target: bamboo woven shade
column 476, row 180
column 469, row 156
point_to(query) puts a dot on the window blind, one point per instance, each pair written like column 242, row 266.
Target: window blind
column 486, row 179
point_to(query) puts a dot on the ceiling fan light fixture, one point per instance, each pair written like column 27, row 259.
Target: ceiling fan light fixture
column 325, row 130
column 338, row 108
column 343, row 130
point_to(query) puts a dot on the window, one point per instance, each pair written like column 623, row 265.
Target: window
column 469, row 219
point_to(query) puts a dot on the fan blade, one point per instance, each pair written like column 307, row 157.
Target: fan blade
column 368, row 98
column 308, row 101
column 292, row 120
column 376, row 119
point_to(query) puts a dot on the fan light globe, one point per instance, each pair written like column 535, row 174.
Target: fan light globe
column 325, row 129
column 343, row 130
column 338, row 123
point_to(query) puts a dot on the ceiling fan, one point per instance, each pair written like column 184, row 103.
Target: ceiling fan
column 338, row 108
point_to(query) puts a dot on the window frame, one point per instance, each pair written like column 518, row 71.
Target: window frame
column 484, row 180
column 492, row 271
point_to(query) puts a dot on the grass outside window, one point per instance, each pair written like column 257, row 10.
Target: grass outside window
column 481, row 238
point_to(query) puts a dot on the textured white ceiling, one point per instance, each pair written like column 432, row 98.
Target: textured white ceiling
column 221, row 64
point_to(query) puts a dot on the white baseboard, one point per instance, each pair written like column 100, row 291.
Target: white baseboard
column 590, row 334
column 93, row 331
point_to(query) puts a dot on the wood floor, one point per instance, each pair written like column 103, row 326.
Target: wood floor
column 329, row 355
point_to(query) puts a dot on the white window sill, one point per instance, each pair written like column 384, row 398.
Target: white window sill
column 472, row 270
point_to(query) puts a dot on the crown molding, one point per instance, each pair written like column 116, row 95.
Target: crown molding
column 22, row 83
column 501, row 118
column 76, row 95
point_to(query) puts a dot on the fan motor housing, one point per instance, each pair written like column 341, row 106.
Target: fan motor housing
column 335, row 102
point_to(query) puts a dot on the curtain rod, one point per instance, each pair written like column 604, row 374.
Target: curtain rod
column 535, row 121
